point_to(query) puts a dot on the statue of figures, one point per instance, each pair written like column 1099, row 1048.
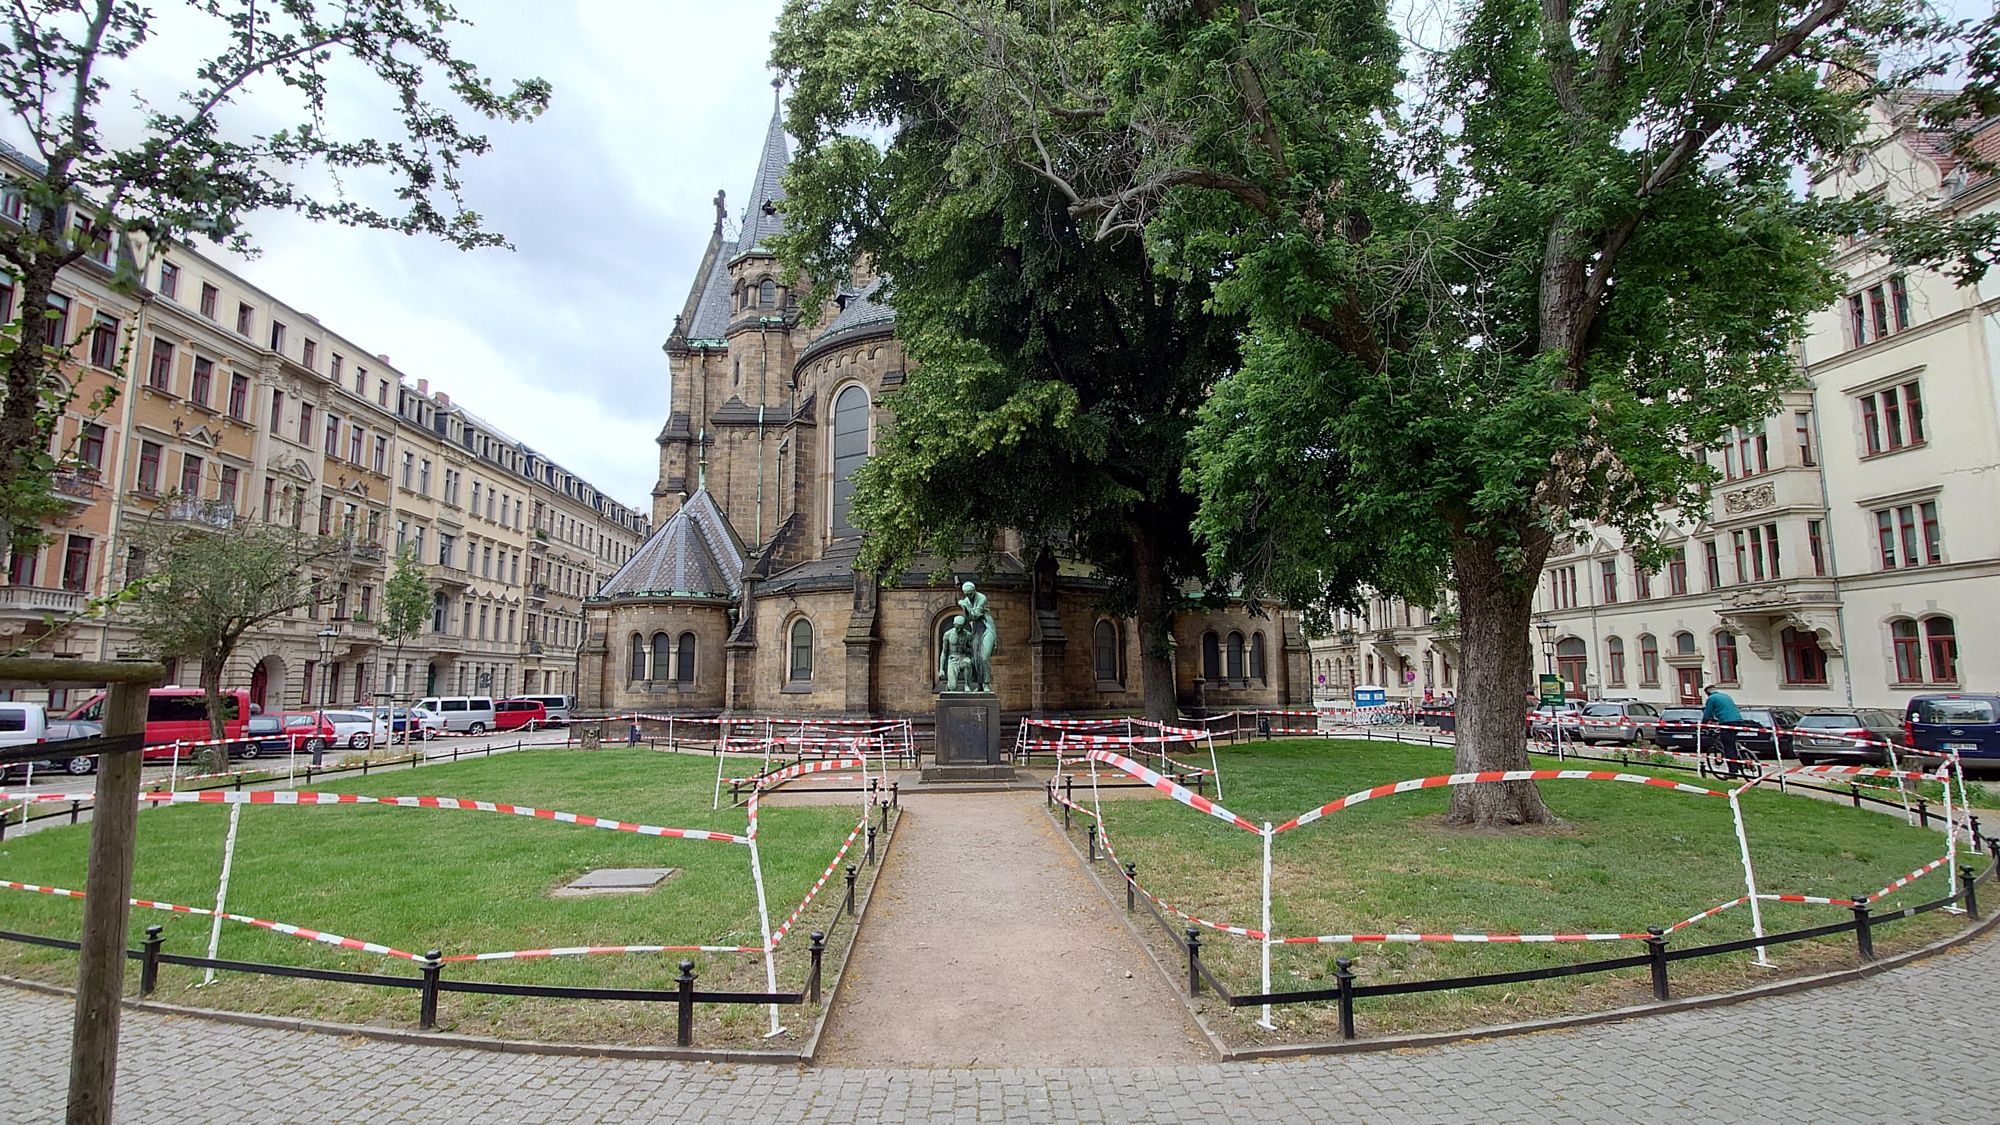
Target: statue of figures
column 955, row 656
column 985, row 635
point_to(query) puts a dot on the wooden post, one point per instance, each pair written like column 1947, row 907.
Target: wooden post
column 100, row 977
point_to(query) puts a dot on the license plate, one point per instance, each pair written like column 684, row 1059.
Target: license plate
column 1961, row 747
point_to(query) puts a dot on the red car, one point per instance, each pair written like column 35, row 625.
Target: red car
column 308, row 730
column 173, row 715
column 519, row 714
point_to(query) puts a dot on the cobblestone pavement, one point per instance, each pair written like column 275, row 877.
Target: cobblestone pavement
column 1909, row 1045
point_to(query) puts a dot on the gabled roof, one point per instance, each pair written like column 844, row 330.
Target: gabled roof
column 695, row 552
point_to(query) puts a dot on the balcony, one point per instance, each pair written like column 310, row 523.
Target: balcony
column 538, row 591
column 80, row 486
column 365, row 552
column 38, row 601
column 209, row 513
column 535, row 648
column 443, row 575
column 1761, row 612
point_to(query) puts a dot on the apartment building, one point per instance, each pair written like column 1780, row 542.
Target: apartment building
column 1848, row 555
column 235, row 405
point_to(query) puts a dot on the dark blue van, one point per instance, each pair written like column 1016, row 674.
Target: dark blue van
column 1939, row 724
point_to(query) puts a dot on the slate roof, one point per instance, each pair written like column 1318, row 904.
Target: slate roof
column 865, row 313
column 694, row 552
column 710, row 297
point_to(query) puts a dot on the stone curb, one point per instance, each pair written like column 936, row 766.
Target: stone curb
column 1228, row 1053
column 797, row 1057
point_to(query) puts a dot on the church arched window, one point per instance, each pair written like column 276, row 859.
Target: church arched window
column 663, row 656
column 767, row 294
column 800, row 665
column 850, row 452
column 684, row 657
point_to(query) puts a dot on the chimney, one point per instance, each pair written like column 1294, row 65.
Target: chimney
column 383, row 359
column 443, row 399
column 424, row 387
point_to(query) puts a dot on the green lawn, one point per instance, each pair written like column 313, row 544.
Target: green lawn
column 1628, row 856
column 464, row 882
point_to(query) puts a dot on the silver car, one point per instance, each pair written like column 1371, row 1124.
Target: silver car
column 1626, row 721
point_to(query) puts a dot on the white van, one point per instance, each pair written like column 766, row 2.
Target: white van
column 557, row 706
column 472, row 714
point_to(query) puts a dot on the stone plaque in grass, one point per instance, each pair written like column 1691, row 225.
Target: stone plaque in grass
column 615, row 881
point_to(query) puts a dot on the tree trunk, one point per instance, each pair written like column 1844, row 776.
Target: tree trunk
column 23, row 432
column 1155, row 614
column 1496, row 667
column 214, row 759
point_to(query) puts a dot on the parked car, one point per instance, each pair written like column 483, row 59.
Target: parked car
column 420, row 723
column 1675, row 729
column 558, row 707
column 175, row 714
column 1935, row 725
column 1543, row 720
column 1784, row 721
column 1856, row 734
column 262, row 735
column 1626, row 721
column 519, row 714
column 310, row 730
column 356, row 729
column 27, row 724
column 472, row 714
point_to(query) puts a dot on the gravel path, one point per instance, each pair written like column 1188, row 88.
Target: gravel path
column 987, row 946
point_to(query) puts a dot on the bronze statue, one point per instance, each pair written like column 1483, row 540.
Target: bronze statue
column 985, row 635
column 955, row 656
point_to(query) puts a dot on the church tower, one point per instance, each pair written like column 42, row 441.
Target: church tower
column 730, row 360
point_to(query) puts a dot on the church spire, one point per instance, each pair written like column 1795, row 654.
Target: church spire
column 761, row 211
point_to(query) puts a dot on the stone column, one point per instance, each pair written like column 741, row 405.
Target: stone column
column 862, row 644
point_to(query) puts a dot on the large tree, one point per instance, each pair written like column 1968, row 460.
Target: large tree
column 1053, row 377
column 200, row 163
column 407, row 601
column 1519, row 288
column 208, row 576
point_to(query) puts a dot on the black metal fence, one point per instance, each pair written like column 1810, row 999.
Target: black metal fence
column 1657, row 957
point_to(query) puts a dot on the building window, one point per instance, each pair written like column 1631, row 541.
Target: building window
column 1684, row 643
column 332, row 445
column 381, row 461
column 76, row 564
column 1235, row 654
column 1908, row 649
column 1642, row 582
column 1257, row 670
column 1878, row 311
column 277, row 337
column 21, row 568
column 334, row 363
column 1614, row 661
column 190, row 476
column 1756, row 553
column 1104, row 646
column 1211, row 656
column 799, row 669
column 1649, row 660
column 149, row 466
column 1805, row 661
column 170, row 279
column 1892, row 419
column 305, row 423
column 1941, row 640
column 1725, row 657
column 663, row 656
column 1562, row 587
column 90, row 447
column 1677, row 572
column 850, row 452
column 1608, row 574
column 246, row 319
column 1816, row 545
column 1909, row 535
column 1802, row 438
column 55, row 329
column 357, row 442
column 1712, row 563
column 424, row 476
column 1745, row 453
column 103, row 342
column 226, row 486
column 409, row 466
column 160, row 373
column 1572, row 664
column 277, row 410
column 209, row 295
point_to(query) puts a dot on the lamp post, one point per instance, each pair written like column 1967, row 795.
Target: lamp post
column 1547, row 629
column 327, row 637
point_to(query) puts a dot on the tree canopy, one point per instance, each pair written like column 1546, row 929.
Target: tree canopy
column 197, row 166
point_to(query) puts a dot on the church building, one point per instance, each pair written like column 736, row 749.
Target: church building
column 746, row 598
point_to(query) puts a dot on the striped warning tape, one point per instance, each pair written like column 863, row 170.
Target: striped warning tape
column 1906, row 880
column 320, row 936
column 1104, row 838
column 591, row 950
column 1172, row 789
column 817, row 885
column 1419, row 783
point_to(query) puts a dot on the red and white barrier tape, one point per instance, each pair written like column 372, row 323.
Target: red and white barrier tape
column 320, row 936
column 800, row 909
column 1443, row 780
column 591, row 950
column 1906, row 880
column 1173, row 789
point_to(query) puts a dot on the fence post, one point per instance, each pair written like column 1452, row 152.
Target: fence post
column 149, row 964
column 1864, row 928
column 684, row 1005
column 73, row 807
column 427, row 1014
column 1343, row 980
column 1656, row 951
column 884, row 817
column 871, row 845
column 895, row 796
column 1131, row 886
column 818, row 951
column 1194, row 960
column 1974, row 822
column 1923, row 813
column 1854, row 793
column 1965, row 879
column 851, row 873
column 1090, row 840
column 1048, row 793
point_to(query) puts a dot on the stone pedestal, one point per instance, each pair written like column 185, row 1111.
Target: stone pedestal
column 968, row 739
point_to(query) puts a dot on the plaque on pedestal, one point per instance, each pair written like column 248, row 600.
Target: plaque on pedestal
column 968, row 739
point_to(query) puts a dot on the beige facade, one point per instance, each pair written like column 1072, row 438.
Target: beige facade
column 747, row 598
column 1848, row 556
column 236, row 405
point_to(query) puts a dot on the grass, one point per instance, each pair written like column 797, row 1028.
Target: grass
column 465, row 882
column 1625, row 858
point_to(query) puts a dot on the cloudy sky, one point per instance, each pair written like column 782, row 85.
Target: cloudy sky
column 606, row 198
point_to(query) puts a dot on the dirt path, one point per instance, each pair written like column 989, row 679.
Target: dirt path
column 989, row 947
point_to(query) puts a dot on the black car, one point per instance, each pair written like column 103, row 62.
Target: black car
column 1761, row 743
column 1675, row 730
column 1856, row 734
column 262, row 735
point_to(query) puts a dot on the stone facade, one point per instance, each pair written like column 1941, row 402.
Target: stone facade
column 773, row 407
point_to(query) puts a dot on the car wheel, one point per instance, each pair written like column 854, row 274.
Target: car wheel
column 78, row 766
column 476, row 729
column 360, row 742
column 315, row 745
column 249, row 752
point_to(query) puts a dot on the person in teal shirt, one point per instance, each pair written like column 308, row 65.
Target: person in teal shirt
column 1720, row 718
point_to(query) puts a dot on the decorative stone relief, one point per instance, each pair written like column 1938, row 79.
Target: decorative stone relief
column 1754, row 498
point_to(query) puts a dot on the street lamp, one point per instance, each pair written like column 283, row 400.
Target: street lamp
column 327, row 637
column 1547, row 629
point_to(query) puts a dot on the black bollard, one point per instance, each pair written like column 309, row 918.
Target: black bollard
column 1969, row 882
column 1343, row 980
column 1194, row 960
column 1656, row 951
column 895, row 794
column 817, row 950
column 852, row 871
column 149, row 964
column 1131, row 886
column 427, row 1012
column 684, row 1006
column 1090, row 839
column 1923, row 813
column 1864, row 928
